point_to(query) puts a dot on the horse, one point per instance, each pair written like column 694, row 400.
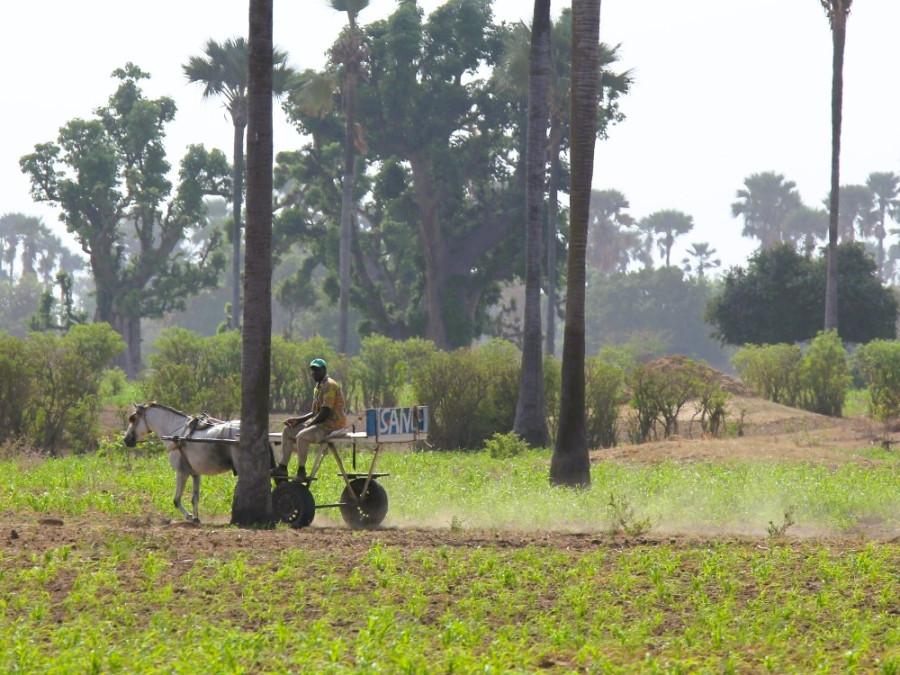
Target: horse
column 188, row 455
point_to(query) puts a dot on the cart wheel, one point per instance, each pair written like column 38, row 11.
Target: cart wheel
column 293, row 503
column 368, row 511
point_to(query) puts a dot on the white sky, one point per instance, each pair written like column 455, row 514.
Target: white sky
column 723, row 89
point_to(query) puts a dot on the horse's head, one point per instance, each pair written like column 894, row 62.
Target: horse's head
column 137, row 425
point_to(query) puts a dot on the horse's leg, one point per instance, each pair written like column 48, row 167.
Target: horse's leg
column 195, row 498
column 180, row 483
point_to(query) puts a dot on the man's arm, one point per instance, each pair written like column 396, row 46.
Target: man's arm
column 294, row 421
column 322, row 416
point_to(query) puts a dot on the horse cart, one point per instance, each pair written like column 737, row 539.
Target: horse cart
column 363, row 502
column 206, row 446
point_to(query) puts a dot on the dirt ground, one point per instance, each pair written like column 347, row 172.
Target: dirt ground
column 771, row 433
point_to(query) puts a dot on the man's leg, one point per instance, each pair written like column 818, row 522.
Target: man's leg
column 313, row 434
column 287, row 448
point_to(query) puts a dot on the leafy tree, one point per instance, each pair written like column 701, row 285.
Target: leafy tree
column 663, row 304
column 667, row 225
column 530, row 422
column 108, row 174
column 252, row 500
column 223, row 71
column 837, row 11
column 63, row 317
column 442, row 176
column 700, row 258
column 885, row 187
column 780, row 297
column 764, row 203
column 570, row 464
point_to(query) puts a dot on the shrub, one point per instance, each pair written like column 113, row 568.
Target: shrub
column 15, row 387
column 604, row 393
column 659, row 391
column 825, row 375
column 471, row 393
column 552, row 383
column 773, row 371
column 879, row 364
column 64, row 401
column 381, row 370
column 505, row 446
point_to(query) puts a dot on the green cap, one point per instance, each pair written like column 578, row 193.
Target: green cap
column 317, row 363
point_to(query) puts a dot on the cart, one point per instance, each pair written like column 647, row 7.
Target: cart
column 363, row 502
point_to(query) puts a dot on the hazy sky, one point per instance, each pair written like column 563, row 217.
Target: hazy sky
column 723, row 89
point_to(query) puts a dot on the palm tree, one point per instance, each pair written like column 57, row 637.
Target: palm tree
column 349, row 54
column 885, row 187
column 224, row 72
column 764, row 203
column 530, row 422
column 570, row 464
column 703, row 259
column 804, row 227
column 610, row 244
column 668, row 224
column 252, row 500
column 837, row 11
column 855, row 215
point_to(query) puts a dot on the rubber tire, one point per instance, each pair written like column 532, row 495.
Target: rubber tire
column 293, row 503
column 370, row 511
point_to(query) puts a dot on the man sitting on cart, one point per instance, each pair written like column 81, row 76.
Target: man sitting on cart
column 327, row 415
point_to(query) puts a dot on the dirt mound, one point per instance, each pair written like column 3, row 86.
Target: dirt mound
column 676, row 362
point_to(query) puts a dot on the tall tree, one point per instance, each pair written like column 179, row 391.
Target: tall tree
column 855, row 216
column 764, row 203
column 252, row 500
column 804, row 227
column 109, row 177
column 837, row 11
column 223, row 71
column 700, row 258
column 570, row 464
column 668, row 225
column 885, row 187
column 531, row 422
column 350, row 54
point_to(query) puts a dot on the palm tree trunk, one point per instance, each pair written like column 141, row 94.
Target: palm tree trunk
column 531, row 422
column 552, row 230
column 348, row 180
column 839, row 10
column 570, row 464
column 236, row 206
column 252, row 501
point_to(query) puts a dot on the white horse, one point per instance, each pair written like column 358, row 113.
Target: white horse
column 188, row 454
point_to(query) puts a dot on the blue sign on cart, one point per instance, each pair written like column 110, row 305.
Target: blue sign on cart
column 397, row 424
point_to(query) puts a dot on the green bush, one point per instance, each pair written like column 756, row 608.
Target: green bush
column 659, row 391
column 64, row 402
column 825, row 375
column 15, row 387
column 470, row 393
column 552, row 383
column 505, row 446
column 604, row 393
column 773, row 371
column 879, row 364
column 381, row 370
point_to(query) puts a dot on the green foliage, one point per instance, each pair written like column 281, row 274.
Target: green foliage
column 780, row 298
column 879, row 364
column 660, row 391
column 712, row 406
column 772, row 371
column 505, row 446
column 825, row 375
column 15, row 387
column 470, row 393
column 552, row 384
column 382, row 371
column 624, row 519
column 604, row 393
column 64, row 400
column 654, row 306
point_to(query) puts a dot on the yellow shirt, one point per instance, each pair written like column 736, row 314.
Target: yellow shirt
column 327, row 394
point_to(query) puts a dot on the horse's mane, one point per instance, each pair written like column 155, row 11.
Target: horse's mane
column 154, row 404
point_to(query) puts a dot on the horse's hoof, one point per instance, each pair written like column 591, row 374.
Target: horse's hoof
column 195, row 521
